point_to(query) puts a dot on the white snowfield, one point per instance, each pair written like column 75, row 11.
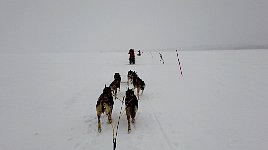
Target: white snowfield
column 47, row 101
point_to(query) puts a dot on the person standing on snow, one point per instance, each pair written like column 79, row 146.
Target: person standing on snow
column 131, row 56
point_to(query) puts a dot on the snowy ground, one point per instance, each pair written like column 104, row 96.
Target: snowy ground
column 47, row 101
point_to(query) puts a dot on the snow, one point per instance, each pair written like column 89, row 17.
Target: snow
column 47, row 101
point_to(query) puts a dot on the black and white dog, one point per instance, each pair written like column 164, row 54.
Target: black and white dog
column 115, row 84
column 138, row 83
column 131, row 106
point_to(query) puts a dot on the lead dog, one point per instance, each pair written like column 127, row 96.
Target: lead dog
column 138, row 83
column 130, row 76
column 115, row 84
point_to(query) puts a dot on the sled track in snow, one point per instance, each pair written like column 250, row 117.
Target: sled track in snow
column 159, row 124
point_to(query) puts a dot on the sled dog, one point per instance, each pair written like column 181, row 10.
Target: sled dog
column 105, row 104
column 131, row 106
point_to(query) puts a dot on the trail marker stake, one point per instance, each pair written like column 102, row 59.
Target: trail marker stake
column 179, row 61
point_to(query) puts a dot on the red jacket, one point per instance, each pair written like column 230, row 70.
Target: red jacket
column 131, row 53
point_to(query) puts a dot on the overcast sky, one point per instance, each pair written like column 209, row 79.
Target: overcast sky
column 100, row 25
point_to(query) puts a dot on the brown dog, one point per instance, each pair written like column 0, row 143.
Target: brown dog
column 131, row 104
column 105, row 104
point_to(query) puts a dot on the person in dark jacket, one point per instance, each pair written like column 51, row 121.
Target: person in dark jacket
column 131, row 56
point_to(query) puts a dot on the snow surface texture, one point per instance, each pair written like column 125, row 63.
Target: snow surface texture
column 47, row 101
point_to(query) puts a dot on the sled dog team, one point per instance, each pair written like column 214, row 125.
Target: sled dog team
column 105, row 101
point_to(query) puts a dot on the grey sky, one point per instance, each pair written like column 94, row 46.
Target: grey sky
column 90, row 25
